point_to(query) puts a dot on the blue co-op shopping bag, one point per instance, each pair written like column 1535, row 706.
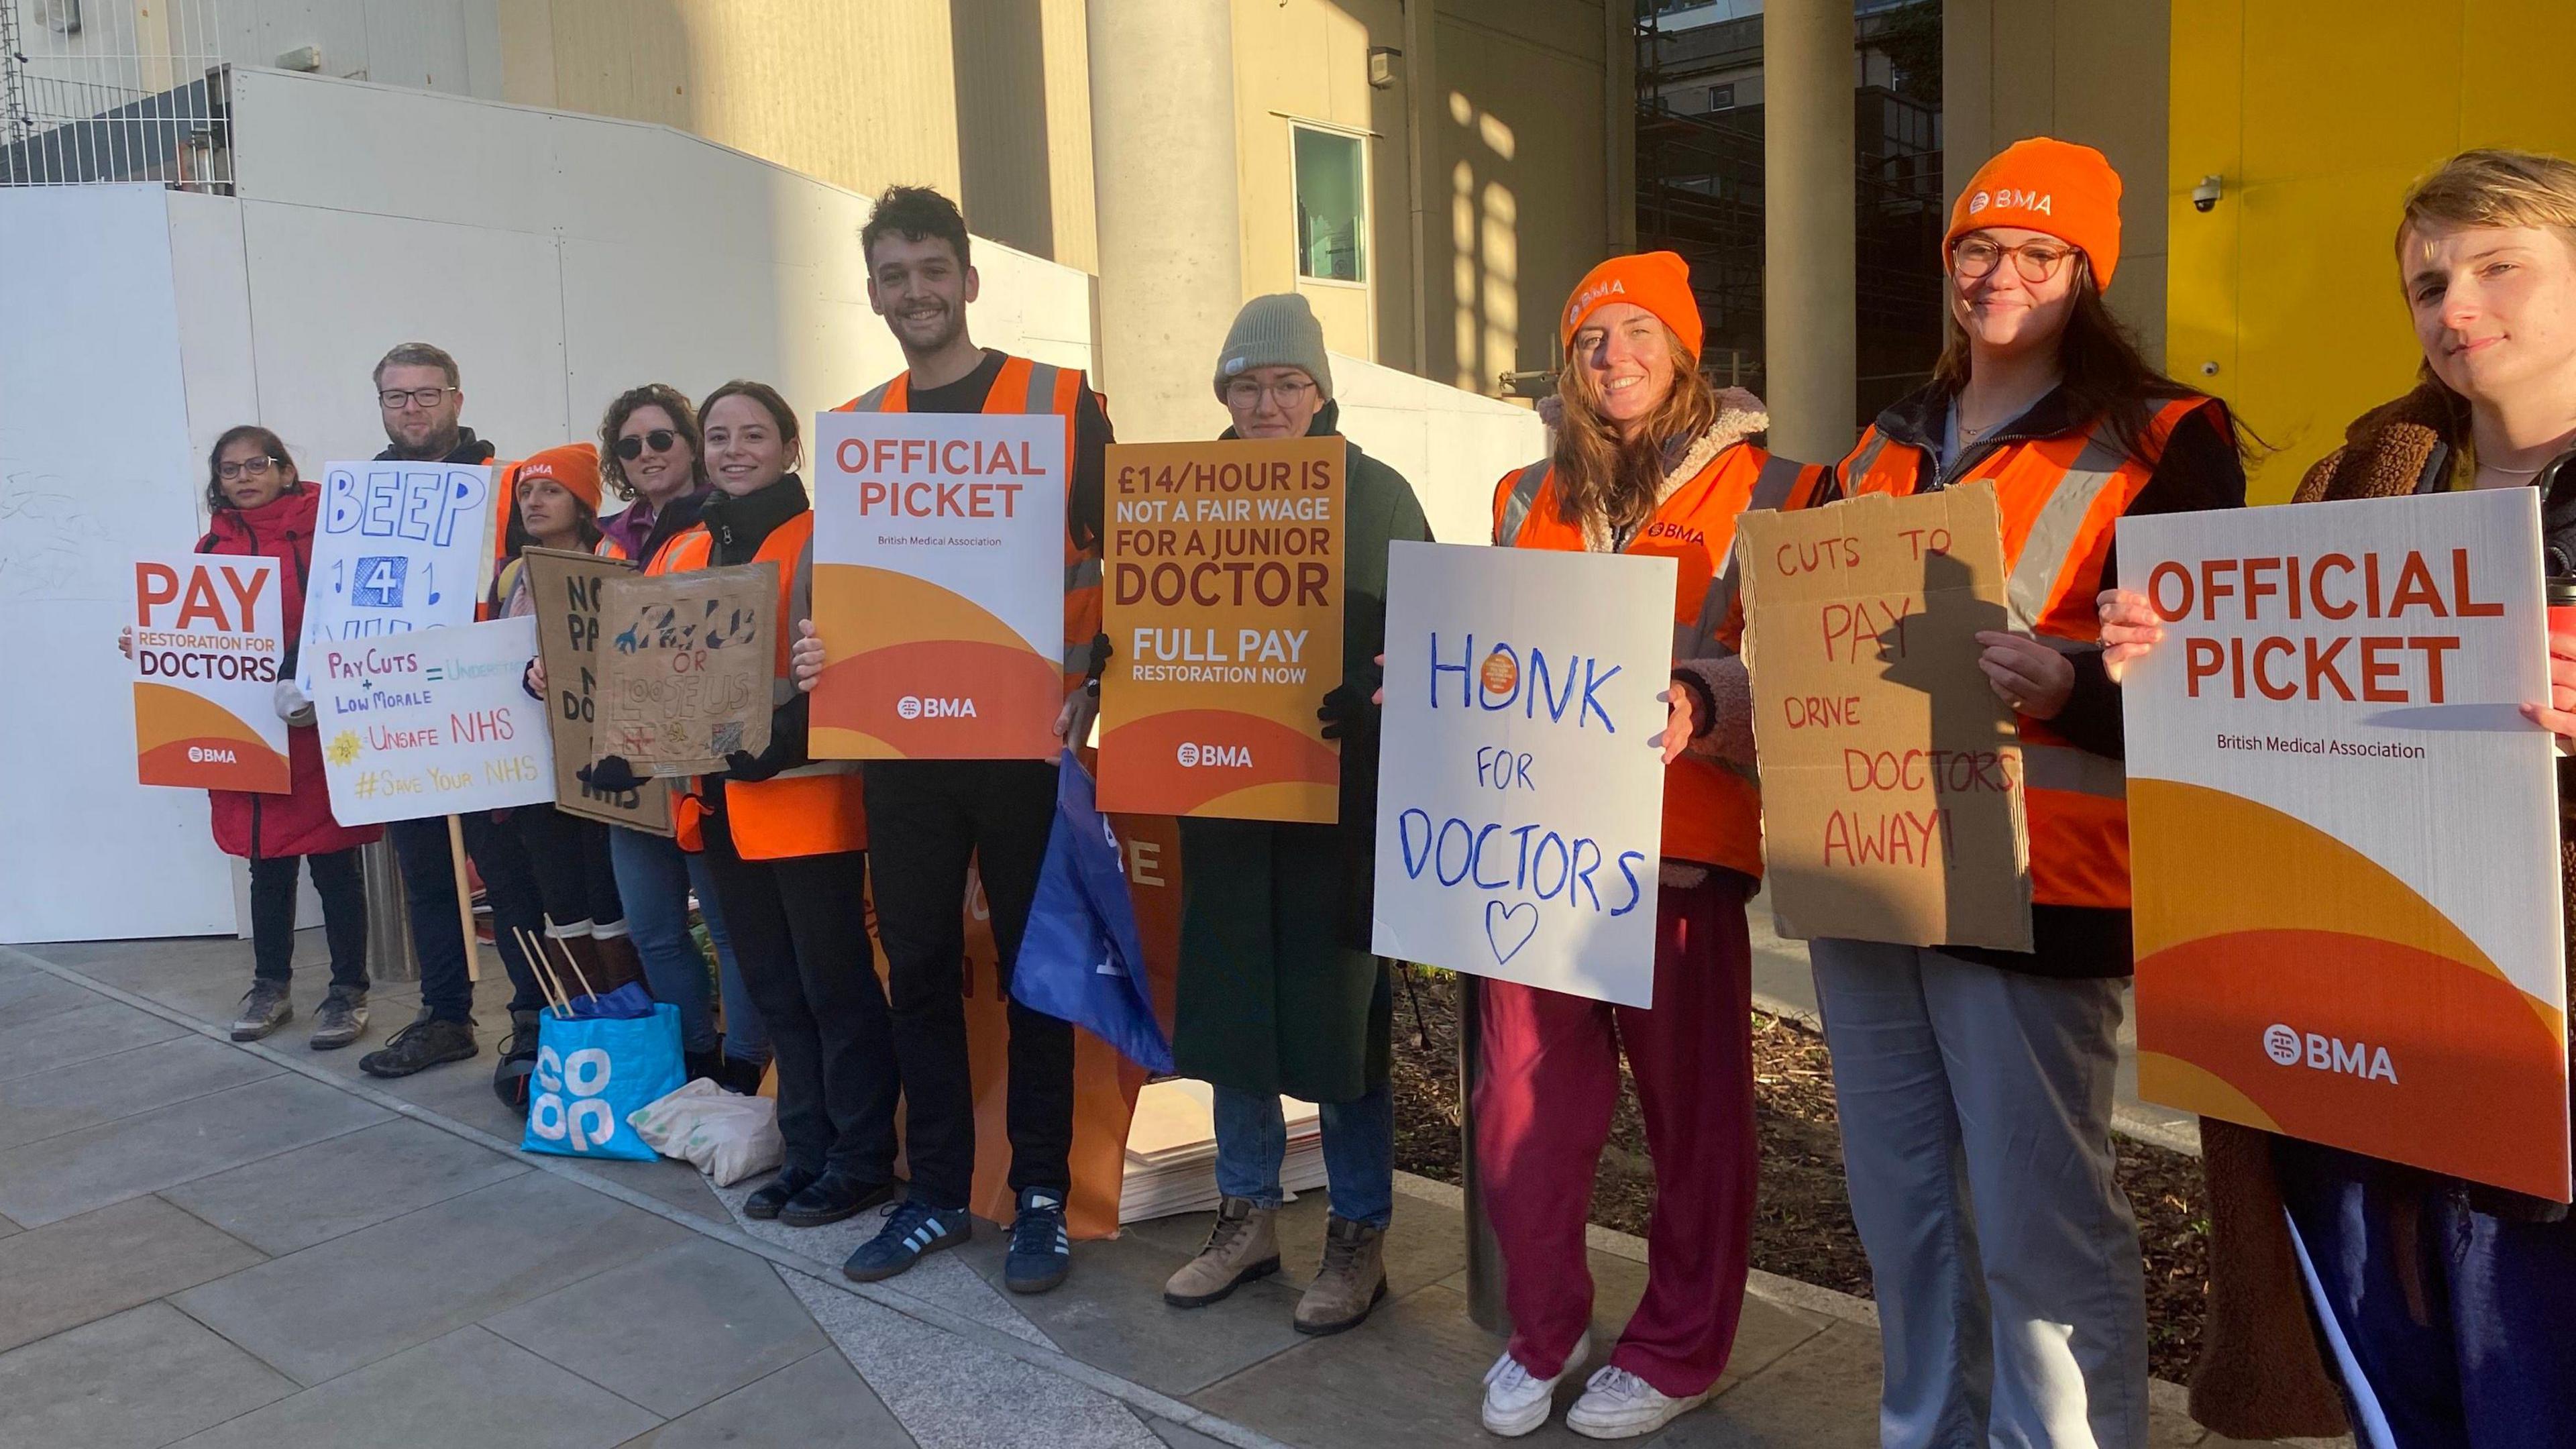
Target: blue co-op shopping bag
column 1080, row 959
column 594, row 1070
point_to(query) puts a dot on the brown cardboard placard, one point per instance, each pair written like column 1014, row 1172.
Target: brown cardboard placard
column 687, row 666
column 1891, row 773
column 566, row 586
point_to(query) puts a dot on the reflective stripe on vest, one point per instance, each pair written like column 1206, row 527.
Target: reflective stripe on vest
column 1516, row 504
column 1774, row 488
column 1025, row 386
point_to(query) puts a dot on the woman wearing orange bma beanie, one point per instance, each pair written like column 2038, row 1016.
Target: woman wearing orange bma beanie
column 1647, row 460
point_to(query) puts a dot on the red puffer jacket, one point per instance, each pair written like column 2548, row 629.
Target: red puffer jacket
column 264, row 827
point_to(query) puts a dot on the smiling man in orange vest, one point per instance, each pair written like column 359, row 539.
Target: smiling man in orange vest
column 928, row 818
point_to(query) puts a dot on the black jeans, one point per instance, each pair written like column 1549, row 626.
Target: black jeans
column 569, row 858
column 800, row 938
column 344, row 915
column 429, row 882
column 926, row 820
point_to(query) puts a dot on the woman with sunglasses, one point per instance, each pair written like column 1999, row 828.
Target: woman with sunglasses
column 260, row 508
column 652, row 454
column 1976, row 1084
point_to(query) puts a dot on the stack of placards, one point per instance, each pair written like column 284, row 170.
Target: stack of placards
column 1171, row 1151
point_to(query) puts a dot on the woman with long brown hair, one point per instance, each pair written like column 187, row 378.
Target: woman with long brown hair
column 1648, row 460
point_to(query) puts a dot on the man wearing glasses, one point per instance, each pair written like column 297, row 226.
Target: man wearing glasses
column 417, row 392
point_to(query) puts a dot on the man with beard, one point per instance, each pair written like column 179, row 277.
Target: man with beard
column 417, row 390
column 928, row 818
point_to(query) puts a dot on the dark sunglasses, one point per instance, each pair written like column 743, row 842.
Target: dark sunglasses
column 659, row 440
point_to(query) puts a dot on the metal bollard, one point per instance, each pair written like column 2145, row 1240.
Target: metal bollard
column 390, row 956
column 1484, row 1255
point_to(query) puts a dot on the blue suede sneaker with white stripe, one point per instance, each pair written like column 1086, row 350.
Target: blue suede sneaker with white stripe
column 911, row 1230
column 1041, row 1250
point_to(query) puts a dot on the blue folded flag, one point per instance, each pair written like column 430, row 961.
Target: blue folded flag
column 1080, row 958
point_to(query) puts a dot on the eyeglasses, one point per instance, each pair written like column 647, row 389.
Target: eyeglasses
column 427, row 397
column 659, row 440
column 255, row 467
column 1975, row 257
column 1243, row 392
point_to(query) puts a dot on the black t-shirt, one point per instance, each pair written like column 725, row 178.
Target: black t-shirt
column 1091, row 438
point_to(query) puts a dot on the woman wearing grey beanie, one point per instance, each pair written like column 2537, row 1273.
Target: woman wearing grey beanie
column 1278, row 991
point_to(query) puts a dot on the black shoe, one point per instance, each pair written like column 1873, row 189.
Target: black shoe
column 340, row 1020
column 518, row 1061
column 740, row 1077
column 833, row 1196
column 766, row 1200
column 427, row 1042
column 709, row 1065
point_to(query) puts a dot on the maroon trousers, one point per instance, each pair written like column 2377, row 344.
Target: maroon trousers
column 1543, row 1104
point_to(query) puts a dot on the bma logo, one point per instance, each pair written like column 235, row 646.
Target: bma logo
column 1978, row 203
column 587, row 1119
column 210, row 755
column 2291, row 1048
column 1216, row 757
column 2035, row 201
column 913, row 706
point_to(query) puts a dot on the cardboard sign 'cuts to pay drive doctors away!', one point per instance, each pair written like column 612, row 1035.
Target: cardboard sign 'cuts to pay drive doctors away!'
column 208, row 639
column 1891, row 773
column 1521, row 780
column 939, row 581
column 1222, row 599
column 2343, row 836
column 397, row 546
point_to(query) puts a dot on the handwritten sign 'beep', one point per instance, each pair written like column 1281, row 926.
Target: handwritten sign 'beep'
column 432, row 723
column 399, row 546
column 1891, row 774
column 1521, row 804
column 207, row 642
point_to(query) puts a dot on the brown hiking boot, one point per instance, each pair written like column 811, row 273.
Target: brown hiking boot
column 1353, row 1278
column 1243, row 1245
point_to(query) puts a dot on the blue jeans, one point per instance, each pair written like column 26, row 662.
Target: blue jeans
column 1359, row 1151
column 654, row 877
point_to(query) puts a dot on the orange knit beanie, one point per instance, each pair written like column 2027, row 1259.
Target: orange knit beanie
column 2043, row 184
column 1656, row 281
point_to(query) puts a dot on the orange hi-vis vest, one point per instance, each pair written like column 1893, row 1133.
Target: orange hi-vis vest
column 1030, row 387
column 1712, row 808
column 2061, row 499
column 814, row 809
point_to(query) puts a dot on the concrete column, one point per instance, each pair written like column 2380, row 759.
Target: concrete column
column 1166, row 187
column 1808, row 278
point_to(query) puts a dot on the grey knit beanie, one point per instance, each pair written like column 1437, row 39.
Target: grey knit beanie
column 1279, row 330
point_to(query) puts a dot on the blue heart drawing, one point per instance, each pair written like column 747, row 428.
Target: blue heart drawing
column 1499, row 930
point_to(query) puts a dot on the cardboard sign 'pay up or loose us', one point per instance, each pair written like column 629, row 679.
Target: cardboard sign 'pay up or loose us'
column 687, row 667
column 1891, row 774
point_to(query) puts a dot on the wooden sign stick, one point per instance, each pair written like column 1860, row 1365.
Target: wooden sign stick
column 464, row 897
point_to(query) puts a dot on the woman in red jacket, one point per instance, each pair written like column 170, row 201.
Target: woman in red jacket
column 261, row 509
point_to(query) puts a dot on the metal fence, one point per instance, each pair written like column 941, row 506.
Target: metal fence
column 113, row 90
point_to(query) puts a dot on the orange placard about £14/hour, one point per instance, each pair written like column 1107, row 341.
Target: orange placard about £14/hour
column 1222, row 599
column 2343, row 836
column 209, row 635
column 939, row 584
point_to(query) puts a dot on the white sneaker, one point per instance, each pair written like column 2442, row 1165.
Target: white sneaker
column 1617, row 1404
column 1517, row 1401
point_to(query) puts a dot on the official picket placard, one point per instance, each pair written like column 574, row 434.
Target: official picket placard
column 1222, row 599
column 431, row 723
column 1521, row 793
column 397, row 547
column 939, row 574
column 2343, row 837
column 209, row 634
column 566, row 587
column 1891, row 773
column 687, row 667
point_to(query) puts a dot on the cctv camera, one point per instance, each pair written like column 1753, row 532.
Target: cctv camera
column 2205, row 195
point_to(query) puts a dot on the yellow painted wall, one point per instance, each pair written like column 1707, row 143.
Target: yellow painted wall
column 1307, row 60
column 2318, row 118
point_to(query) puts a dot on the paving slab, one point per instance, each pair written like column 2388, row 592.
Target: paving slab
column 135, row 1380
column 84, row 1268
column 1181, row 1437
column 671, row 1331
column 468, row 1389
column 817, row 1400
column 41, row 1182
column 104, row 1089
column 33, row 995
column 1825, row 1392
column 97, row 1027
column 316, row 1193
column 367, row 1295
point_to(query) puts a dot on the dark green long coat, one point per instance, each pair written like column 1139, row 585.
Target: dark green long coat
column 1278, row 991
